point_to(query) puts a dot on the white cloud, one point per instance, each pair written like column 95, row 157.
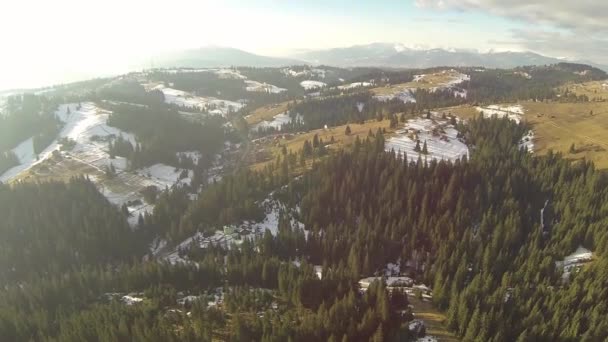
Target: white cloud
column 580, row 14
column 575, row 29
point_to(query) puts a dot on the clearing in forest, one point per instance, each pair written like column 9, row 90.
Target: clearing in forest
column 266, row 113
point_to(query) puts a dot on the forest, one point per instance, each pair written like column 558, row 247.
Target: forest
column 161, row 132
column 27, row 116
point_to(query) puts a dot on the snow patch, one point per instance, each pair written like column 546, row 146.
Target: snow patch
column 278, row 121
column 514, row 112
column 165, row 175
column 527, row 141
column 212, row 105
column 255, row 86
column 441, row 139
column 233, row 234
column 355, row 85
column 406, row 96
column 131, row 300
column 310, row 84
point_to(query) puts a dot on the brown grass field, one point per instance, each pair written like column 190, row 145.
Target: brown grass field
column 341, row 140
column 595, row 90
column 266, row 113
column 433, row 319
column 429, row 81
column 559, row 125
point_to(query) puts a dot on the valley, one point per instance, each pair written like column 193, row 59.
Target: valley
column 243, row 191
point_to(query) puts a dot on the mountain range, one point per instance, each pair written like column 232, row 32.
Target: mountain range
column 375, row 55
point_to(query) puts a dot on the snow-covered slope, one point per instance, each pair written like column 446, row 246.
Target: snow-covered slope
column 310, row 84
column 355, row 85
column 185, row 99
column 441, row 139
column 405, row 95
column 278, row 121
column 256, row 86
column 514, row 112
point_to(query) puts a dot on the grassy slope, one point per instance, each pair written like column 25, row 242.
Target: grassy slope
column 429, row 81
column 342, row 140
column 559, row 125
column 595, row 90
column 433, row 319
column 266, row 113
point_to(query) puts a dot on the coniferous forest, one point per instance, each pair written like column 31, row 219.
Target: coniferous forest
column 474, row 227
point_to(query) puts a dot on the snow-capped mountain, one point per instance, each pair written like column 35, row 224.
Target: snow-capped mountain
column 401, row 56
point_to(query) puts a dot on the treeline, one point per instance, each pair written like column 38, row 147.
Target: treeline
column 85, row 304
column 357, row 108
column 208, row 83
column 28, row 116
column 525, row 83
column 129, row 91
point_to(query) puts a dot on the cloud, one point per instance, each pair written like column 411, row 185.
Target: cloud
column 578, row 15
column 574, row 29
column 438, row 20
column 564, row 44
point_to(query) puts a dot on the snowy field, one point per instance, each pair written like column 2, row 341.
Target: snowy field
column 441, row 139
column 211, row 104
column 229, row 74
column 256, row 86
column 304, row 73
column 406, row 96
column 309, row 84
column 514, row 112
column 164, row 175
column 523, row 74
column 278, row 121
column 355, row 85
column 86, row 127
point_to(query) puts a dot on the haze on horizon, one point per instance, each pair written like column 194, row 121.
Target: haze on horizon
column 65, row 40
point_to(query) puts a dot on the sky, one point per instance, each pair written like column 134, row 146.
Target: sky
column 47, row 42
